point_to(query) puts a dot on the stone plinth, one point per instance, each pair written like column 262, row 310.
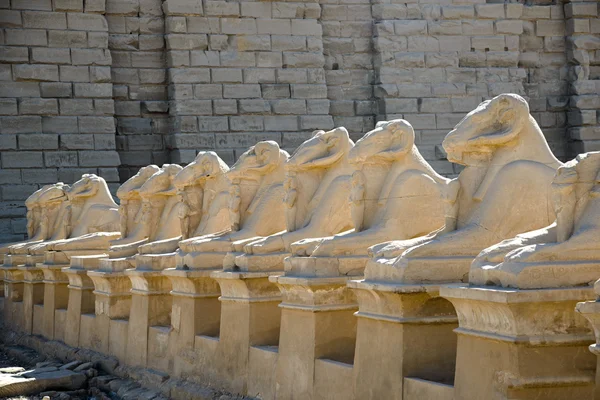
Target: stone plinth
column 316, row 322
column 56, row 292
column 150, row 304
column 250, row 316
column 200, row 260
column 195, row 311
column 591, row 311
column 13, row 295
column 413, row 327
column 521, row 343
column 112, row 290
column 33, row 294
column 15, row 259
column 81, row 297
column 259, row 262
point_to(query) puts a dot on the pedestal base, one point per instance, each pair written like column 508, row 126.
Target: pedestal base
column 250, row 316
column 316, row 322
column 413, row 327
column 13, row 296
column 112, row 290
column 33, row 294
column 521, row 343
column 151, row 305
column 81, row 297
column 56, row 297
column 15, row 260
column 196, row 311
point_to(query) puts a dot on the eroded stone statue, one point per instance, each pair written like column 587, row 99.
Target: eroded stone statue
column 508, row 171
column 34, row 217
column 43, row 208
column 159, row 216
column 129, row 232
column 410, row 200
column 566, row 253
column 90, row 210
column 131, row 204
column 259, row 176
column 203, row 194
column 318, row 183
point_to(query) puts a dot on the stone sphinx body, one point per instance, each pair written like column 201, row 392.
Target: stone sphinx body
column 410, row 200
column 140, row 223
column 34, row 218
column 131, row 205
column 255, row 205
column 129, row 231
column 46, row 208
column 157, row 218
column 90, row 212
column 566, row 253
column 318, row 183
column 503, row 190
column 203, row 200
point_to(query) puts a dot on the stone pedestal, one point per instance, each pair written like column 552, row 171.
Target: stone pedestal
column 591, row 311
column 81, row 297
column 522, row 344
column 317, row 321
column 56, row 293
column 33, row 294
column 112, row 290
column 413, row 327
column 195, row 311
column 13, row 296
column 250, row 316
column 150, row 303
column 15, row 259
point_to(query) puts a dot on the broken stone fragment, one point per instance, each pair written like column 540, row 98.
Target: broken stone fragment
column 16, row 385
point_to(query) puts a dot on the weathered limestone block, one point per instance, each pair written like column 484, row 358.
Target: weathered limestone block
column 564, row 254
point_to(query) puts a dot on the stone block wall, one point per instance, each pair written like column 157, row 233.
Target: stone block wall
column 240, row 72
column 171, row 77
column 56, row 100
column 583, row 54
column 436, row 62
column 139, row 75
